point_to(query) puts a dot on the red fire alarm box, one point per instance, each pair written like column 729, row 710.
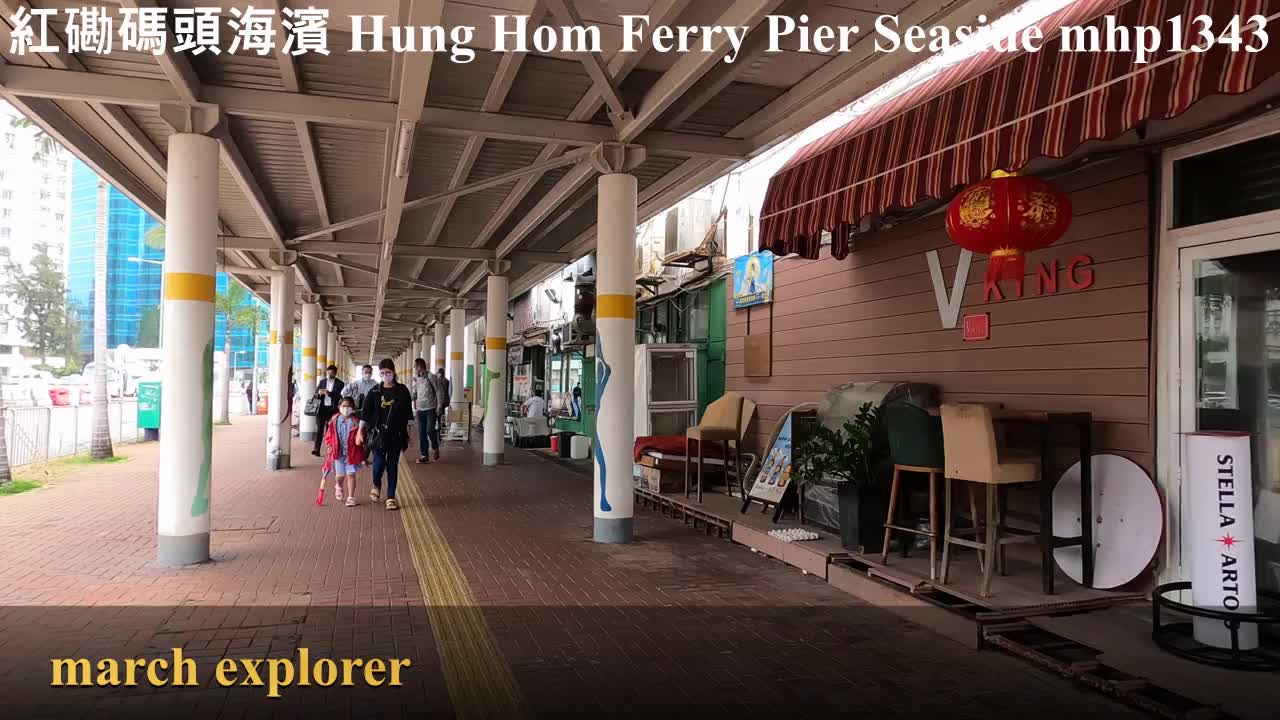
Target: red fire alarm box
column 977, row 327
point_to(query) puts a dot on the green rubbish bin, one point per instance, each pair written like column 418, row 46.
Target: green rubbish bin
column 149, row 409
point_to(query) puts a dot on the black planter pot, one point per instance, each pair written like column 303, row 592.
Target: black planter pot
column 862, row 513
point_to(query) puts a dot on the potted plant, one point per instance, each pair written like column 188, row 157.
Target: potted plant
column 853, row 456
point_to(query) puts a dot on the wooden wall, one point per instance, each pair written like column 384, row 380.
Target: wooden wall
column 873, row 316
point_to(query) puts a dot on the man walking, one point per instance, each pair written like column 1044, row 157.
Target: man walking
column 444, row 391
column 358, row 389
column 426, row 404
column 328, row 390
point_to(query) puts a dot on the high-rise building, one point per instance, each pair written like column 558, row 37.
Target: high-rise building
column 133, row 267
column 33, row 209
column 134, row 274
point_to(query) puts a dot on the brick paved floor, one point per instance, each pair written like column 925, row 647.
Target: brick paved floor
column 675, row 622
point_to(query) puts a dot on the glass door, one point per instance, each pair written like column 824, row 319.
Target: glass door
column 1229, row 298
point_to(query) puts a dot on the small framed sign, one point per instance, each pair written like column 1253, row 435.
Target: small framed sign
column 752, row 280
column 977, row 327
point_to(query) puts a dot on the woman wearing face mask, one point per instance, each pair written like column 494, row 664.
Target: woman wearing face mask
column 384, row 429
column 344, row 451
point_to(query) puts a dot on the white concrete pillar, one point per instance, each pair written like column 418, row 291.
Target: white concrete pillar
column 438, row 350
column 186, row 404
column 279, row 419
column 457, row 323
column 311, row 368
column 615, row 347
column 332, row 355
column 469, row 352
column 495, row 372
column 322, row 345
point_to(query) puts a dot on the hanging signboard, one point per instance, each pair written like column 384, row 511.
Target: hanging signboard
column 515, row 355
column 1219, row 507
column 775, row 473
column 752, row 279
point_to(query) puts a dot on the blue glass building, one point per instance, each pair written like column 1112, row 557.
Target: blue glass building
column 133, row 285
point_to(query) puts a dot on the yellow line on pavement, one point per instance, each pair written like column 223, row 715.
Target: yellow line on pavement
column 479, row 680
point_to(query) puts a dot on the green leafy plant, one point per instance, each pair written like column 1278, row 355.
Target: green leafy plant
column 850, row 453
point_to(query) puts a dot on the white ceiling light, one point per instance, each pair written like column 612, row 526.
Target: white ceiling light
column 404, row 148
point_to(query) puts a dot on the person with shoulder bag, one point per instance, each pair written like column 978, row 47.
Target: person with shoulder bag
column 425, row 405
column 384, row 430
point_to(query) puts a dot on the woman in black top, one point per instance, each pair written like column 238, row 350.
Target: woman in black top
column 388, row 407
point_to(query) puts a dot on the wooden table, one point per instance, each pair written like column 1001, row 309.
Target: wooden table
column 1045, row 421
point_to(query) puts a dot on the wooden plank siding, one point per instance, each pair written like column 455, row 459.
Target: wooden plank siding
column 873, row 316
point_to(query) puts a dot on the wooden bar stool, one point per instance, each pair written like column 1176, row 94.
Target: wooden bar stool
column 916, row 444
column 972, row 455
column 722, row 423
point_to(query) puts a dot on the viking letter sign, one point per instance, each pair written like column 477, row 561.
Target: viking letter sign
column 949, row 307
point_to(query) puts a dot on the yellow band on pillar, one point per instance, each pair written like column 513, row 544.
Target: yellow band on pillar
column 271, row 338
column 455, row 356
column 287, row 338
column 308, row 377
column 189, row 286
column 495, row 343
column 308, row 352
column 616, row 306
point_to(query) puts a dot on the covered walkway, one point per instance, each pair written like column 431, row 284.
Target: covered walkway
column 486, row 579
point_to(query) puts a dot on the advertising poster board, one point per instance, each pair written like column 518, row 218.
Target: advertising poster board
column 1219, row 506
column 775, row 473
column 752, row 279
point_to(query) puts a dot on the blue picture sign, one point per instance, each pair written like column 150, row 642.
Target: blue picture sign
column 752, row 279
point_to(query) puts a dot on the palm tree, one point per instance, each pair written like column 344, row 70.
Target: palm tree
column 239, row 310
column 100, row 445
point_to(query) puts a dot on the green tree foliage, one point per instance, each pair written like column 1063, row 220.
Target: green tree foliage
column 154, row 238
column 41, row 293
column 149, row 327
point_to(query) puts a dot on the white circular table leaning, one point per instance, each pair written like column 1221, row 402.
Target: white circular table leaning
column 1128, row 521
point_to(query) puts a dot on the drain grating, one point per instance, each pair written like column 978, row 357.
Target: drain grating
column 1078, row 662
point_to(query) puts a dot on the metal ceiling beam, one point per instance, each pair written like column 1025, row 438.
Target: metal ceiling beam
column 411, row 99
column 690, row 67
column 596, row 67
column 567, row 132
column 306, row 142
column 499, row 87
column 393, row 293
column 293, row 107
column 849, row 76
column 686, row 71
column 374, row 271
column 495, row 181
column 428, row 252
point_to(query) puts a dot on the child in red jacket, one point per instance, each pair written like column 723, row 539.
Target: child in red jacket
column 343, row 454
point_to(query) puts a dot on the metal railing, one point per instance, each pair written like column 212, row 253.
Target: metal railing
column 34, row 434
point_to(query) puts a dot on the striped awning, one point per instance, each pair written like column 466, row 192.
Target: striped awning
column 992, row 112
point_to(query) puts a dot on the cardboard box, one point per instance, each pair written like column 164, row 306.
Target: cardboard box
column 660, row 481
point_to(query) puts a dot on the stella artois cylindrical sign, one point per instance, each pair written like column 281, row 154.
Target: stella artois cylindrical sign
column 1219, row 514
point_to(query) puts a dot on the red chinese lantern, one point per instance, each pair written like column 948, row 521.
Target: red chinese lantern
column 1006, row 216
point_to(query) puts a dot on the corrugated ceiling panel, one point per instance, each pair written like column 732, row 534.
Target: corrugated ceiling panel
column 148, row 120
column 461, row 86
column 351, row 167
column 435, row 157
column 731, row 106
column 547, row 87
column 345, row 74
column 274, row 156
column 241, row 70
column 235, row 210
